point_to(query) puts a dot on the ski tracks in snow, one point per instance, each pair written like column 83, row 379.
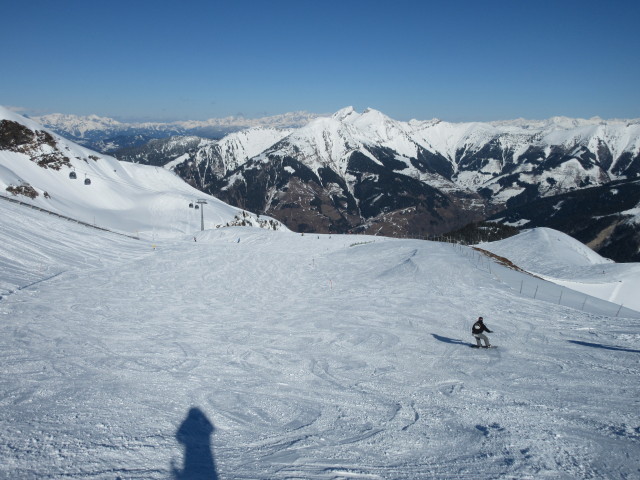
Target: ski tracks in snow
column 316, row 359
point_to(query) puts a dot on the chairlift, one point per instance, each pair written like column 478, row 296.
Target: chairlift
column 191, row 205
column 72, row 175
column 87, row 181
column 197, row 207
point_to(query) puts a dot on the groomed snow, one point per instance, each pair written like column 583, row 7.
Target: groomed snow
column 563, row 260
column 259, row 354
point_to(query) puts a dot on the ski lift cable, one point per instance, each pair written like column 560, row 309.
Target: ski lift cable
column 122, row 183
column 118, row 182
column 125, row 183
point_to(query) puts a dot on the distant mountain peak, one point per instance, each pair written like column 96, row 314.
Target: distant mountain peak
column 343, row 113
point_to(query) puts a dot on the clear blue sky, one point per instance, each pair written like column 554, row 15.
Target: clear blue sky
column 455, row 60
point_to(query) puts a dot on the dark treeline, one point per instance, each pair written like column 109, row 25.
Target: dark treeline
column 478, row 232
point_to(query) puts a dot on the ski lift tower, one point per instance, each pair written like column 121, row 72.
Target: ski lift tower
column 202, row 203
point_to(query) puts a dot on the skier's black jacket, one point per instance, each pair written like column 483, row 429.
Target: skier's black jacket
column 479, row 327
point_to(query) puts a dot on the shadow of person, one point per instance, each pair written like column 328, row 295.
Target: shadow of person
column 455, row 341
column 605, row 347
column 195, row 434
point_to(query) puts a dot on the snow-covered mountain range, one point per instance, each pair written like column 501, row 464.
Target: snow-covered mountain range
column 497, row 158
column 368, row 172
column 42, row 169
column 107, row 135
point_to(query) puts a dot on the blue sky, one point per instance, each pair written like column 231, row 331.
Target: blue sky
column 455, row 60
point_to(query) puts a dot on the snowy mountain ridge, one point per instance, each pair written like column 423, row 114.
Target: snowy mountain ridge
column 79, row 127
column 370, row 172
column 471, row 155
column 366, row 172
column 508, row 146
column 40, row 168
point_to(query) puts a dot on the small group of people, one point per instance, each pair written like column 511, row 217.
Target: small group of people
column 478, row 330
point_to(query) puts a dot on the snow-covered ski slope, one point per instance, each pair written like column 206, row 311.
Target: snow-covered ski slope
column 134, row 199
column 258, row 354
column 36, row 246
column 563, row 260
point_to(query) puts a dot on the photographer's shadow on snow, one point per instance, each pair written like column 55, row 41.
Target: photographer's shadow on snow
column 195, row 435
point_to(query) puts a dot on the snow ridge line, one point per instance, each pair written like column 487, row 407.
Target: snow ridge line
column 4, row 197
column 616, row 310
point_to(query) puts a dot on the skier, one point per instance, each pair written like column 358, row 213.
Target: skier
column 478, row 330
